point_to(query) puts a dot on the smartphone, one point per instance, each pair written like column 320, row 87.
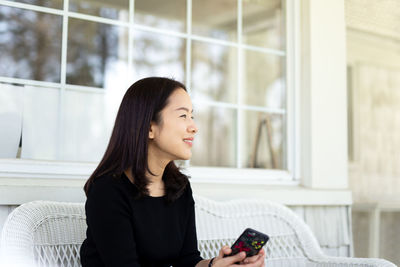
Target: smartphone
column 250, row 241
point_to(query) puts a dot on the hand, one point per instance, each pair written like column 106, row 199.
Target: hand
column 254, row 258
column 254, row 261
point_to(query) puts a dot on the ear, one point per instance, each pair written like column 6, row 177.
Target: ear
column 151, row 131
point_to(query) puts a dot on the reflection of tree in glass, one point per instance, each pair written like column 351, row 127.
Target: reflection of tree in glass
column 91, row 49
column 263, row 23
column 160, row 22
column 30, row 44
column 170, row 15
column 158, row 55
column 212, row 76
column 263, row 73
column 46, row 3
column 211, row 72
column 216, row 19
column 104, row 8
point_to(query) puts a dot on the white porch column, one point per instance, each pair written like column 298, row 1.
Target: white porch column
column 323, row 95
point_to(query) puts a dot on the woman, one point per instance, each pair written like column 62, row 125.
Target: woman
column 139, row 207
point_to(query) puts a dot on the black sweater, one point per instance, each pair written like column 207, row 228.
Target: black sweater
column 123, row 231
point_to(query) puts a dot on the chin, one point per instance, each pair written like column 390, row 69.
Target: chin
column 185, row 157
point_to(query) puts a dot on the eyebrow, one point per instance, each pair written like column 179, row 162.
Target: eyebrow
column 183, row 108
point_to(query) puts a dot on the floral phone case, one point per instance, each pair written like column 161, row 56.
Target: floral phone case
column 250, row 241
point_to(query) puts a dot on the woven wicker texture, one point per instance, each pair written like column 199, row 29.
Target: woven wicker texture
column 43, row 233
column 291, row 241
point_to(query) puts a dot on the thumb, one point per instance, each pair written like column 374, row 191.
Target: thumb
column 225, row 250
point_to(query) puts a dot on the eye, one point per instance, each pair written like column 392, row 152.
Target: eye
column 192, row 118
column 183, row 116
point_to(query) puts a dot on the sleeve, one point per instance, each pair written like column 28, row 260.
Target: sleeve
column 189, row 254
column 108, row 219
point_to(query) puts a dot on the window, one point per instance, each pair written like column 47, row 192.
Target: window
column 66, row 65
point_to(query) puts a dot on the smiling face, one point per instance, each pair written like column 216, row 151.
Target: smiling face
column 172, row 138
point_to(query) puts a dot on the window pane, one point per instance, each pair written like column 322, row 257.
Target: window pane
column 214, row 72
column 46, row 3
column 116, row 9
column 97, row 52
column 11, row 107
column 30, row 44
column 169, row 15
column 263, row 23
column 264, row 81
column 264, row 140
column 86, row 126
column 216, row 19
column 40, row 123
column 215, row 143
column 159, row 55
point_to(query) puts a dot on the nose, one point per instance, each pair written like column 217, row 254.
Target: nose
column 193, row 128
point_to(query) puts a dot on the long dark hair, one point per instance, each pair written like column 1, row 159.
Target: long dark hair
column 141, row 104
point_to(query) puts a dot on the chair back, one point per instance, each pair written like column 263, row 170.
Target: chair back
column 43, row 233
column 291, row 241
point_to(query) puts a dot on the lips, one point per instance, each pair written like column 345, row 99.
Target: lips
column 188, row 141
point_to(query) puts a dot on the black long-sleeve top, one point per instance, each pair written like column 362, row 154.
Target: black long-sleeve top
column 124, row 231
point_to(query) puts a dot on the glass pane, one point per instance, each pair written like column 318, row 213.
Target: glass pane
column 264, row 23
column 169, row 15
column 159, row 55
column 30, row 44
column 216, row 19
column 40, row 133
column 46, row 3
column 11, row 107
column 97, row 53
column 214, row 72
column 264, row 81
column 116, row 9
column 86, row 129
column 264, row 140
column 215, row 143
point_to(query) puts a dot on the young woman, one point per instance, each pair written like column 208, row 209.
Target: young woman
column 139, row 207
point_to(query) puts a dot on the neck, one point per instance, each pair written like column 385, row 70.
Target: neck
column 157, row 164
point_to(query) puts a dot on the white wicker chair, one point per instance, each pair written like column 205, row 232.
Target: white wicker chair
column 44, row 233
column 291, row 241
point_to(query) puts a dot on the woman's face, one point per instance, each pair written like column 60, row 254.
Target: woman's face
column 172, row 138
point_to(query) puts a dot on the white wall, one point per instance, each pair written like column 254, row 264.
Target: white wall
column 375, row 61
column 373, row 45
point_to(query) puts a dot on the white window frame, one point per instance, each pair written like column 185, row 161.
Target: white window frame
column 23, row 168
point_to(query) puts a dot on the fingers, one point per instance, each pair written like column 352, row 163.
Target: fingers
column 225, row 250
column 263, row 251
column 254, row 258
column 235, row 258
column 255, row 261
column 251, row 259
